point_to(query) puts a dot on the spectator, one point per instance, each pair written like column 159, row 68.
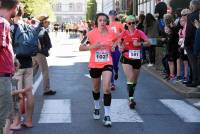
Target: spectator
column 24, row 75
column 151, row 30
column 8, row 10
column 40, row 58
column 172, row 43
column 182, row 56
column 189, row 41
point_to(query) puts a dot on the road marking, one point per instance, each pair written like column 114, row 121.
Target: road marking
column 37, row 83
column 197, row 104
column 120, row 112
column 56, row 111
column 185, row 111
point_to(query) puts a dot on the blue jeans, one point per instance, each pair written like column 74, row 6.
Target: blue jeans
column 115, row 57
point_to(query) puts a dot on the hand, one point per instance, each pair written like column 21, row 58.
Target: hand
column 196, row 23
column 17, row 64
column 136, row 43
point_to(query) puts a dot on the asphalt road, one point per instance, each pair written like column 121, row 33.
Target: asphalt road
column 159, row 110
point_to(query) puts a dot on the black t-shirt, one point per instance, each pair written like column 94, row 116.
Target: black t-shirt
column 25, row 62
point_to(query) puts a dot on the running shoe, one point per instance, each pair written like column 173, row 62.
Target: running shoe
column 96, row 114
column 116, row 76
column 112, row 87
column 131, row 103
column 107, row 121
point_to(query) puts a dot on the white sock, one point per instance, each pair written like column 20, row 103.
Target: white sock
column 107, row 110
column 97, row 104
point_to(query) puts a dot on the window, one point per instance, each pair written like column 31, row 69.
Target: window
column 79, row 7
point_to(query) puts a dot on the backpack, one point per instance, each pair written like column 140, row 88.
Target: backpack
column 25, row 39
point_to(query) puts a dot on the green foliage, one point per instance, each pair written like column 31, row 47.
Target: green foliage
column 91, row 10
column 34, row 8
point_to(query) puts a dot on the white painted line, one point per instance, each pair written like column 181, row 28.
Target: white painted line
column 88, row 75
column 36, row 84
column 197, row 104
column 185, row 111
column 120, row 112
column 56, row 111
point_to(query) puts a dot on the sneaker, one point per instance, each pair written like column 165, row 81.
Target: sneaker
column 116, row 76
column 50, row 92
column 184, row 80
column 149, row 65
column 96, row 114
column 107, row 121
column 178, row 78
column 112, row 87
column 131, row 103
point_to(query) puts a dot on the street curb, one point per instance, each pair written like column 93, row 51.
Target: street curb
column 178, row 87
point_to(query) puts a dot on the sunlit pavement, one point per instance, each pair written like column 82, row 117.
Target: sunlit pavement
column 159, row 110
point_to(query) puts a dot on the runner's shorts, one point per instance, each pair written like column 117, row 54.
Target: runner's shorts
column 96, row 72
column 136, row 64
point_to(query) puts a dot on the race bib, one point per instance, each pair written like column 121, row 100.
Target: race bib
column 102, row 56
column 134, row 54
column 114, row 29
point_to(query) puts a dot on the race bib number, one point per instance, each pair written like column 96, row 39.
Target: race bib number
column 114, row 29
column 134, row 54
column 102, row 56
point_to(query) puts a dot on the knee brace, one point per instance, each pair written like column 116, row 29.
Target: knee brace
column 107, row 99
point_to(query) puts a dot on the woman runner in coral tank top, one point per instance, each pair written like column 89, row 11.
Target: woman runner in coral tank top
column 100, row 43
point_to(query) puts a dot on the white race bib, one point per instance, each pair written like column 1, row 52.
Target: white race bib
column 114, row 29
column 134, row 54
column 102, row 56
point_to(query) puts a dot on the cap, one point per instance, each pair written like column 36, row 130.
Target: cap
column 112, row 13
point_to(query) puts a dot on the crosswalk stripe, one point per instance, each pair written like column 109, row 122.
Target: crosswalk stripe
column 185, row 111
column 56, row 111
column 37, row 83
column 120, row 112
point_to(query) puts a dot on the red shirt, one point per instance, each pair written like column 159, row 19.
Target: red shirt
column 6, row 50
column 128, row 41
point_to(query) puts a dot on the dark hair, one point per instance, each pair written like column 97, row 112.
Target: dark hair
column 149, row 19
column 141, row 18
column 101, row 14
column 20, row 11
column 8, row 4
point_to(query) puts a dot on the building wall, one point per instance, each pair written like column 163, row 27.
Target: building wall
column 108, row 5
column 148, row 6
column 70, row 10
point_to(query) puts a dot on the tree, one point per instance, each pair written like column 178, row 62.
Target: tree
column 91, row 10
column 34, row 8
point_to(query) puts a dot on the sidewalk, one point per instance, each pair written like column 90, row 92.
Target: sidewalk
column 192, row 94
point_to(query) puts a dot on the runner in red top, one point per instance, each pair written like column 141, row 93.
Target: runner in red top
column 116, row 27
column 131, row 40
column 100, row 43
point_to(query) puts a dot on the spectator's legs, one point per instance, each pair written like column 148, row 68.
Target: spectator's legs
column 152, row 54
column 43, row 65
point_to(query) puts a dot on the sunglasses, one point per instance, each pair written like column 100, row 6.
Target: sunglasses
column 131, row 23
column 183, row 14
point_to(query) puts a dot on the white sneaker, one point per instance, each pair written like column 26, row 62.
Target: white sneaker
column 107, row 121
column 96, row 114
column 149, row 65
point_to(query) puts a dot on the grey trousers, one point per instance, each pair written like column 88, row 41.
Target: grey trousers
column 5, row 100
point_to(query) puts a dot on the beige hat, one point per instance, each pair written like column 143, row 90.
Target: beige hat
column 42, row 17
column 185, row 12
